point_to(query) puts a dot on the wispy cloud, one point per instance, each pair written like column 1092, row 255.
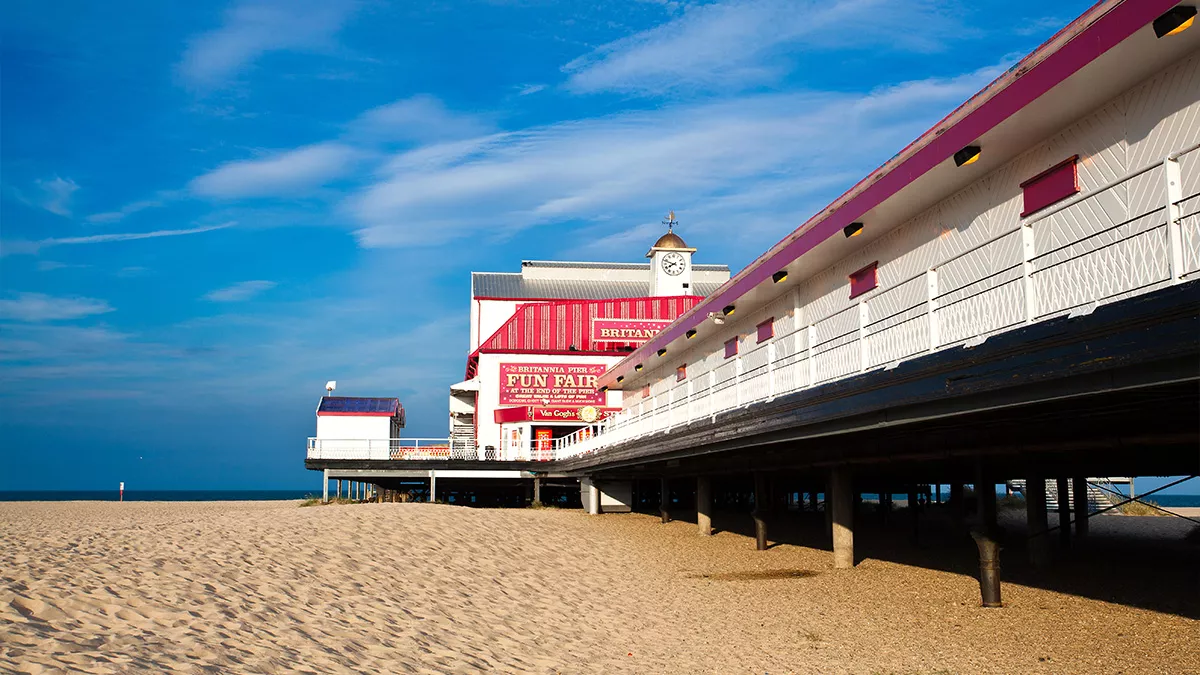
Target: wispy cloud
column 527, row 89
column 123, row 212
column 740, row 44
column 15, row 247
column 254, row 28
column 57, row 194
column 239, row 292
column 39, row 307
column 618, row 167
column 418, row 118
column 279, row 174
column 52, row 265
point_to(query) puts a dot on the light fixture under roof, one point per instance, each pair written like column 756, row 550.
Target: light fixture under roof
column 968, row 155
column 779, row 277
column 637, row 368
column 1175, row 21
column 620, row 378
column 691, row 334
column 852, row 230
column 728, row 310
column 662, row 351
column 603, row 389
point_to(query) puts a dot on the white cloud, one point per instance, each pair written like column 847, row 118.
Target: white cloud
column 724, row 156
column 739, row 44
column 15, row 247
column 283, row 173
column 123, row 212
column 254, row 28
column 418, row 118
column 527, row 89
column 39, row 307
column 58, row 194
column 239, row 292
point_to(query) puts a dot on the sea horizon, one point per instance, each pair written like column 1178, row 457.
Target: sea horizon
column 1168, row 500
column 154, row 495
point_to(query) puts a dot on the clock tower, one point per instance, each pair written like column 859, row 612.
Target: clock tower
column 670, row 263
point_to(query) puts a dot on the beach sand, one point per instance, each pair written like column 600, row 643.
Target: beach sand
column 242, row 587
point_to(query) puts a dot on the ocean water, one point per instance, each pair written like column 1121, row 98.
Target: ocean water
column 1175, row 500
column 152, row 495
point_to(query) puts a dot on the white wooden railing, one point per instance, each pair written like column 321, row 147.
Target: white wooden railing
column 391, row 448
column 1051, row 264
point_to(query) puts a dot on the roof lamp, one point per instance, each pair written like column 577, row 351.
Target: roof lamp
column 1176, row 20
column 968, row 155
column 637, row 368
column 728, row 310
column 779, row 276
column 603, row 389
column 852, row 230
column 691, row 334
column 620, row 378
column 662, row 351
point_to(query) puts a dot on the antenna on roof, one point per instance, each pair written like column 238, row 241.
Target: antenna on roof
column 330, row 386
column 670, row 221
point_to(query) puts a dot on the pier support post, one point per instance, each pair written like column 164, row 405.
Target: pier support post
column 914, row 506
column 761, row 508
column 1081, row 506
column 956, row 504
column 842, row 499
column 704, row 505
column 989, row 567
column 537, row 491
column 664, row 499
column 432, row 486
column 938, row 487
column 325, row 487
column 1064, row 511
column 1035, row 513
column 985, row 498
column 812, row 501
column 593, row 498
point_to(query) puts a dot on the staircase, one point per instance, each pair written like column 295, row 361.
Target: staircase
column 1097, row 498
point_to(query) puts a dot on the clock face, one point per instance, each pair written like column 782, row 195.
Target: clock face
column 673, row 264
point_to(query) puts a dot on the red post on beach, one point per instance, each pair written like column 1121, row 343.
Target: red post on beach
column 122, row 491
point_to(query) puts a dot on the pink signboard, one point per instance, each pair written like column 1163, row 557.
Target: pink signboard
column 627, row 330
column 550, row 384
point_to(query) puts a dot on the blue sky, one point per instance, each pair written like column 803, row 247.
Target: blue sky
column 208, row 210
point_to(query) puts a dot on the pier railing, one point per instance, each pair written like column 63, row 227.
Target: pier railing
column 391, row 448
column 1064, row 260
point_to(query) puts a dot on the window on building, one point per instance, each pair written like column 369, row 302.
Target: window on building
column 766, row 330
column 731, row 347
column 1051, row 186
column 864, row 280
column 681, row 373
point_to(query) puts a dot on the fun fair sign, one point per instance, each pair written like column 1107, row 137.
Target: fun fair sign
column 627, row 330
column 556, row 384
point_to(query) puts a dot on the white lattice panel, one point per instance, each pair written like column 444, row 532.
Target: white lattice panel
column 1000, row 306
column 1163, row 115
column 844, row 358
column 1103, row 267
column 1189, row 228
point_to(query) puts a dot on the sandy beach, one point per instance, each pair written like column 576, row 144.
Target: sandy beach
column 269, row 587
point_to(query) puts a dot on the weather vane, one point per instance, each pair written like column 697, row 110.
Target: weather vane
column 670, row 221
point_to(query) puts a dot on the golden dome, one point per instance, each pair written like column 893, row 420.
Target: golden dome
column 670, row 240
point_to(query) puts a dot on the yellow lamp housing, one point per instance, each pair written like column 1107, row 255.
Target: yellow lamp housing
column 968, row 155
column 779, row 277
column 691, row 334
column 728, row 310
column 852, row 230
column 1175, row 21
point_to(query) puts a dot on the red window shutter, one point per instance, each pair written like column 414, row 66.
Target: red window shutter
column 1051, row 186
column 681, row 373
column 864, row 280
column 766, row 330
column 731, row 347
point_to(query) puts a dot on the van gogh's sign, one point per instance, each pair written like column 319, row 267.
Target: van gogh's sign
column 627, row 330
column 558, row 384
